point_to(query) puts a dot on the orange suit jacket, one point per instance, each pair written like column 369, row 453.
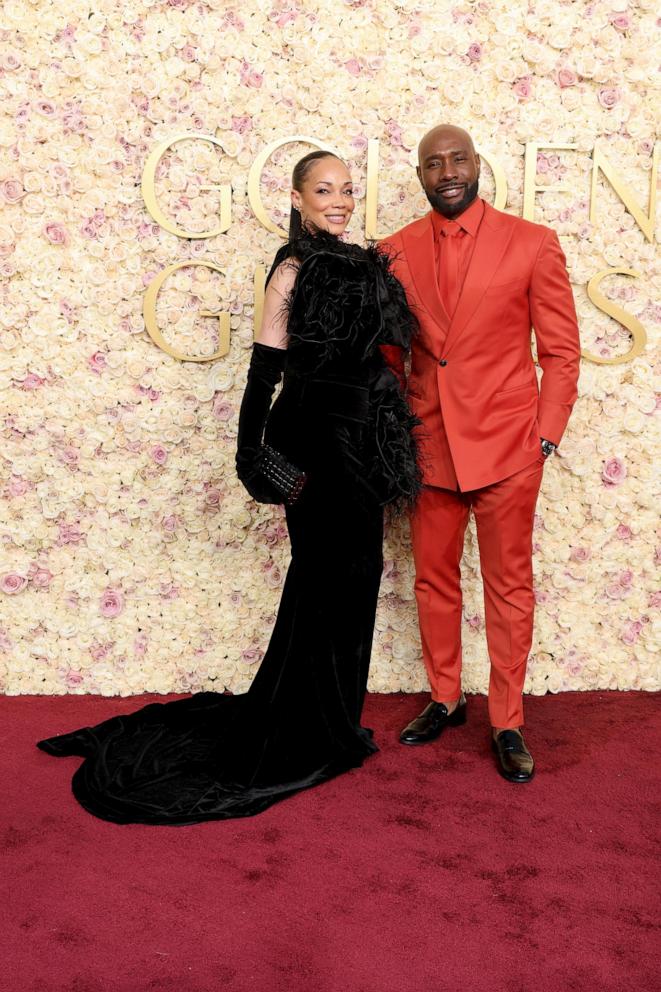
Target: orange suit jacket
column 472, row 381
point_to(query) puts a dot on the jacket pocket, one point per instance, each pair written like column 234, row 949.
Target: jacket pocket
column 514, row 389
column 513, row 286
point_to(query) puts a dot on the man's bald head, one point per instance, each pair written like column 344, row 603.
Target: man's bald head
column 445, row 132
column 448, row 169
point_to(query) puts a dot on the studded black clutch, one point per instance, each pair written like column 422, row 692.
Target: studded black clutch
column 285, row 477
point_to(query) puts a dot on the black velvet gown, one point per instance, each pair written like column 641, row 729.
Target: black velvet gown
column 341, row 417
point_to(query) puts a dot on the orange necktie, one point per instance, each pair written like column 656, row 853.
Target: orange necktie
column 449, row 274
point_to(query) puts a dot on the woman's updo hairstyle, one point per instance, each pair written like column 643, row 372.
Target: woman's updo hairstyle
column 301, row 170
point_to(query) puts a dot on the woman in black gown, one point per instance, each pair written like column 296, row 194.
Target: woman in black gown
column 341, row 419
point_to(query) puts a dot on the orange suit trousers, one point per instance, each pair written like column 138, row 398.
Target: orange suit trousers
column 504, row 515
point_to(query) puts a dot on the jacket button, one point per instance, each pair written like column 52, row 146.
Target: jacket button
column 442, row 363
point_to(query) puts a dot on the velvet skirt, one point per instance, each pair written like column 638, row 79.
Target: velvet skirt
column 214, row 756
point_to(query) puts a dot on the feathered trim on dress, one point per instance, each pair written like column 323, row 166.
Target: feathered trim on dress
column 344, row 297
column 344, row 304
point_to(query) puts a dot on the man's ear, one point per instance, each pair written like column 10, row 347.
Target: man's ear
column 419, row 175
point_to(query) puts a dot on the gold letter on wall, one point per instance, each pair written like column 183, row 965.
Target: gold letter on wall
column 149, row 190
column 149, row 312
column 259, row 285
column 530, row 186
column 255, row 175
column 499, row 178
column 372, row 189
column 632, row 324
column 644, row 220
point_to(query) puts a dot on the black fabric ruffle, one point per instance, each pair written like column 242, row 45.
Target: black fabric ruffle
column 344, row 304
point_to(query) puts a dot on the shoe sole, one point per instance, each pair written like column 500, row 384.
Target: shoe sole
column 516, row 781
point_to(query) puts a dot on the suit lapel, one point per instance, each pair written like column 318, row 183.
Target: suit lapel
column 493, row 237
column 419, row 248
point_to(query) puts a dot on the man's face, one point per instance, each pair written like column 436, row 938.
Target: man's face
column 449, row 171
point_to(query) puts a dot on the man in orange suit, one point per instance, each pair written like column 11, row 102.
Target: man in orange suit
column 478, row 279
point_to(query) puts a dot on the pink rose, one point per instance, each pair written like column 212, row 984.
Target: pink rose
column 475, row 623
column 621, row 22
column 11, row 583
column 615, row 591
column 12, row 190
column 159, row 454
column 169, row 523
column 286, row 17
column 41, row 578
column 655, row 600
column 69, row 534
column 17, row 486
column 523, row 88
column 475, row 52
column 250, row 77
column 614, row 472
column 10, row 62
column 188, row 53
column 67, row 311
column 353, row 67
column 140, row 645
column 250, row 656
column 242, row 125
column 580, row 554
column 56, row 233
column 234, row 21
column 69, row 456
column 97, row 362
column 111, row 603
column 631, row 632
column 212, row 498
column 221, row 409
column 32, row 381
column 394, row 132
column 73, row 679
column 273, row 577
column 100, row 651
column 624, row 533
column 542, row 166
column 566, row 77
column 608, row 96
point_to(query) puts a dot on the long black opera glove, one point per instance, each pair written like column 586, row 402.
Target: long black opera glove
column 264, row 374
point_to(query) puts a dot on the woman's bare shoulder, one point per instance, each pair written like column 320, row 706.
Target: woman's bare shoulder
column 284, row 276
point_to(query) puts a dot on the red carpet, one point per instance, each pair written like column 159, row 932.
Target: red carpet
column 421, row 871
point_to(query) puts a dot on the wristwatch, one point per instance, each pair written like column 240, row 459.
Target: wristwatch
column 548, row 447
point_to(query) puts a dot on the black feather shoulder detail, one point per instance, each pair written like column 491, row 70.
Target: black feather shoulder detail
column 344, row 304
column 346, row 299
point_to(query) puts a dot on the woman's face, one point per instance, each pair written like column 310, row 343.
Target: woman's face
column 326, row 201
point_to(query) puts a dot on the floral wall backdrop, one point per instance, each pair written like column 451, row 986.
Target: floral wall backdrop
column 130, row 557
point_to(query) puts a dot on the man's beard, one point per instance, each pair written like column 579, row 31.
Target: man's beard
column 457, row 206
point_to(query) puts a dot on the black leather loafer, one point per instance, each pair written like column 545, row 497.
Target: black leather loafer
column 432, row 722
column 513, row 758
